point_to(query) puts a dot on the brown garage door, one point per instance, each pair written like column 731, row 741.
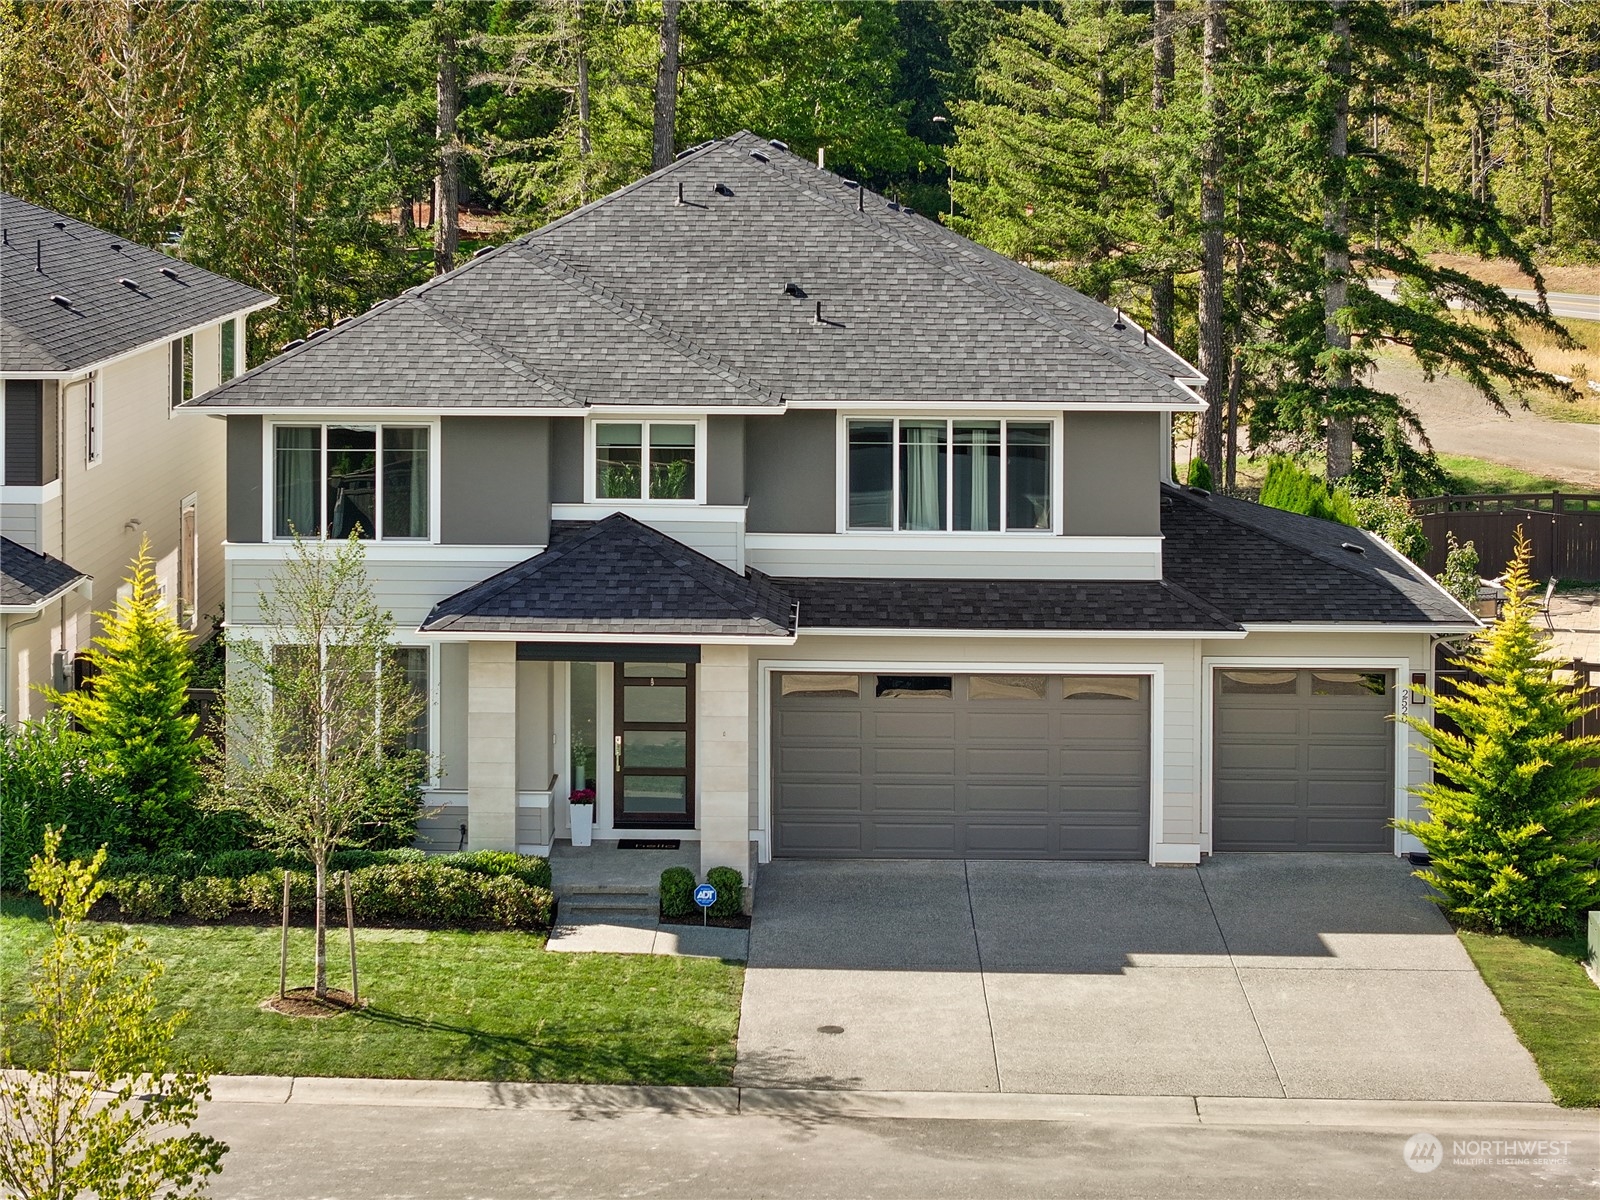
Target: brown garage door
column 1303, row 760
column 962, row 766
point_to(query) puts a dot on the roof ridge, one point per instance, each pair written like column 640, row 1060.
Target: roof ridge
column 651, row 324
column 450, row 325
column 1195, row 600
column 713, row 579
column 872, row 221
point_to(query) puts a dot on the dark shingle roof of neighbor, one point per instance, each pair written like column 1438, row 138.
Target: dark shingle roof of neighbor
column 1264, row 566
column 29, row 579
column 640, row 298
column 617, row 576
column 103, row 318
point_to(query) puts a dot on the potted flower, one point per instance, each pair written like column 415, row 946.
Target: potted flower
column 580, row 808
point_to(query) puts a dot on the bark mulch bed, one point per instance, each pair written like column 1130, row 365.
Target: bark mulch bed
column 740, row 922
column 303, row 1002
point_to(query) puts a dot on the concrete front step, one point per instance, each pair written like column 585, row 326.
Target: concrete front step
column 639, row 891
column 608, row 906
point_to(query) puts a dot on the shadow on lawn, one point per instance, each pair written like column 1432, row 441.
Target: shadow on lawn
column 511, row 1057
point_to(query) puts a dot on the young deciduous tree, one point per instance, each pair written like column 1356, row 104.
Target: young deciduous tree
column 1514, row 828
column 319, row 712
column 132, row 716
column 101, row 1102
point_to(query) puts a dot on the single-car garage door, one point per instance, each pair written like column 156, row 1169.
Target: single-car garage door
column 961, row 766
column 1303, row 760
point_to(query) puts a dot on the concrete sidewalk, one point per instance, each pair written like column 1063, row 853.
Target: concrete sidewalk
column 600, row 1099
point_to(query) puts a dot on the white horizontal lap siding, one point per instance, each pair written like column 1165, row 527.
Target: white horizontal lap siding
column 407, row 587
column 717, row 540
column 931, row 556
column 1404, row 653
column 1181, row 721
column 20, row 523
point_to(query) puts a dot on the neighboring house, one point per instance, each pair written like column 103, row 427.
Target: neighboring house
column 100, row 341
column 796, row 524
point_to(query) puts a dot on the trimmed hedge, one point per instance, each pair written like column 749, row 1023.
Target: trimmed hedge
column 677, row 892
column 409, row 892
column 730, row 892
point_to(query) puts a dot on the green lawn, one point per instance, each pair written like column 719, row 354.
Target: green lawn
column 1551, row 1003
column 1473, row 476
column 443, row 1005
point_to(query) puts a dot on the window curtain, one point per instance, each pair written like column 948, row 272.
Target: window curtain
column 977, row 480
column 295, row 469
column 922, row 466
column 405, row 483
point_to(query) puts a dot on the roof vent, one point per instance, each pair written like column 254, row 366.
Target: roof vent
column 680, row 194
column 291, row 345
column 850, row 183
column 5, row 237
column 1119, row 323
column 894, row 206
column 340, row 322
column 759, row 157
column 59, row 224
column 722, row 189
column 795, row 290
column 116, row 247
column 1198, row 491
column 316, row 333
column 61, row 300
column 777, row 145
column 170, row 273
column 131, row 285
column 1352, row 547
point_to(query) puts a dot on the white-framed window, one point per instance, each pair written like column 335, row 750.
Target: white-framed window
column 657, row 459
column 330, row 480
column 950, row 474
column 416, row 663
column 181, row 355
column 188, row 612
column 93, row 421
column 228, row 350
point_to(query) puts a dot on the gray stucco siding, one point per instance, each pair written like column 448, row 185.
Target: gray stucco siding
column 244, row 479
column 566, row 460
column 494, row 480
column 791, row 472
column 1111, row 463
column 725, row 483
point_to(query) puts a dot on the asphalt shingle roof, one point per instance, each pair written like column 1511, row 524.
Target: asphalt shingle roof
column 29, row 579
column 103, row 317
column 1264, row 566
column 676, row 290
column 617, row 576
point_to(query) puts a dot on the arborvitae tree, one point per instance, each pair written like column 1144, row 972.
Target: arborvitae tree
column 1513, row 833
column 133, row 714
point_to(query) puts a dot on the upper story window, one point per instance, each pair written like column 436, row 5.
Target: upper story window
column 646, row 460
column 182, row 358
column 963, row 475
column 332, row 480
column 91, row 420
column 228, row 351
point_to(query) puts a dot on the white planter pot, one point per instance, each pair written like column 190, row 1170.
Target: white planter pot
column 582, row 816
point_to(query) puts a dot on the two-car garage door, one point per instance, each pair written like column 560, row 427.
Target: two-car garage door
column 961, row 766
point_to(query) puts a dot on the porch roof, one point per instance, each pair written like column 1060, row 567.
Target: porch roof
column 618, row 578
column 29, row 580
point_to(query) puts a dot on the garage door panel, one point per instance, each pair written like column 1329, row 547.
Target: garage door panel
column 914, row 726
column 1003, row 777
column 1315, row 773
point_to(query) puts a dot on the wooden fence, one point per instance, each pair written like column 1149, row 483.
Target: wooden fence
column 1564, row 531
column 1586, row 674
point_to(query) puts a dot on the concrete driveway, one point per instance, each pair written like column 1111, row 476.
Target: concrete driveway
column 1305, row 976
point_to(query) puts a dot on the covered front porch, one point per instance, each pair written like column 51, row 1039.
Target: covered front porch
column 615, row 663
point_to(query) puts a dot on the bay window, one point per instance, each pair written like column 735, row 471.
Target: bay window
column 334, row 480
column 645, row 460
column 926, row 475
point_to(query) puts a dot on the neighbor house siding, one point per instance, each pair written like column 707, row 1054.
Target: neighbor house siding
column 494, row 480
column 790, row 463
column 1111, row 463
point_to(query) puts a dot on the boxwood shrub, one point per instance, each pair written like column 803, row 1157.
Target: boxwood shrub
column 533, row 871
column 677, row 892
column 730, row 891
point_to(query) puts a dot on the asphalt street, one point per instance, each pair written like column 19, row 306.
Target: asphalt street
column 384, row 1152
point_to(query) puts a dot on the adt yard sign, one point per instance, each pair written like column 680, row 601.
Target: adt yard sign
column 705, row 895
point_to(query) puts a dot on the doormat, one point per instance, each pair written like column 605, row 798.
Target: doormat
column 644, row 844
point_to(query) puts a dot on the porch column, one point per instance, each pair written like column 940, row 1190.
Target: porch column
column 492, row 746
column 723, row 760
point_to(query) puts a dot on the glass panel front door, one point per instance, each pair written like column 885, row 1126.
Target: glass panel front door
column 653, row 746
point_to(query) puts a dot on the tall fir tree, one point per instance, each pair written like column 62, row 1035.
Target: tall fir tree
column 133, row 714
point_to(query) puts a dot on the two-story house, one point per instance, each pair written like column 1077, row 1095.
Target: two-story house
column 795, row 524
column 100, row 341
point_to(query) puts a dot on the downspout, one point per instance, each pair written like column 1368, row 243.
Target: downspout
column 7, row 626
column 61, row 474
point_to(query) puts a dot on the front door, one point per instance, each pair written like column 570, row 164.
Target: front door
column 653, row 746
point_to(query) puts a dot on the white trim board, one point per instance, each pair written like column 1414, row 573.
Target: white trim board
column 1160, row 852
column 1206, row 684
